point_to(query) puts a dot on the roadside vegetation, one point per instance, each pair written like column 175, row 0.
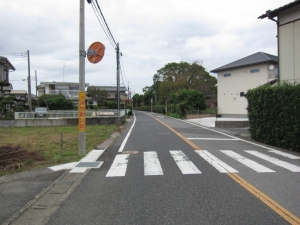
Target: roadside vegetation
column 27, row 148
column 180, row 87
column 274, row 115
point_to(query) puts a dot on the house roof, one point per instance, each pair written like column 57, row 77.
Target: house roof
column 274, row 13
column 42, row 83
column 254, row 59
column 111, row 88
column 5, row 62
column 18, row 92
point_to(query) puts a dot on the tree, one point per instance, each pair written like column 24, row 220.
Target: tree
column 148, row 95
column 6, row 101
column 137, row 99
column 194, row 99
column 55, row 102
column 99, row 95
column 175, row 76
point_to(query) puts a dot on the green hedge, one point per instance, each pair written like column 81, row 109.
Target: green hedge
column 274, row 115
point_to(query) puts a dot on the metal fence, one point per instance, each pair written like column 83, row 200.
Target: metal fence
column 57, row 114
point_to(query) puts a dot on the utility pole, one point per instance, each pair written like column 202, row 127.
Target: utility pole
column 128, row 93
column 29, row 83
column 118, row 78
column 81, row 94
column 35, row 84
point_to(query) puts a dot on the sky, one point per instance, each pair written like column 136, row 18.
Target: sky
column 150, row 33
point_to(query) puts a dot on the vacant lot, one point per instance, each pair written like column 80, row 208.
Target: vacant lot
column 34, row 147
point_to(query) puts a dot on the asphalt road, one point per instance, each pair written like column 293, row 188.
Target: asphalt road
column 174, row 172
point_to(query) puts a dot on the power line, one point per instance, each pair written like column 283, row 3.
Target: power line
column 103, row 23
column 106, row 23
column 15, row 55
column 99, row 19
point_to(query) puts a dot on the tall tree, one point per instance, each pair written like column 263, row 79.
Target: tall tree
column 175, row 76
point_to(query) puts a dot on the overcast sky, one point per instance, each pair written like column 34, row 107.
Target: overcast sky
column 151, row 33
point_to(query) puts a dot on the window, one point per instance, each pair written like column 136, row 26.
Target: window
column 227, row 75
column 5, row 75
column 254, row 71
column 242, row 94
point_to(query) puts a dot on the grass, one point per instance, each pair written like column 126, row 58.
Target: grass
column 46, row 142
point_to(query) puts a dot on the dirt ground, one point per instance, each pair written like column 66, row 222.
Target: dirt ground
column 14, row 158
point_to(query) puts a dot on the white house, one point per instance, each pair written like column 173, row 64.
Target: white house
column 288, row 27
column 236, row 78
column 68, row 89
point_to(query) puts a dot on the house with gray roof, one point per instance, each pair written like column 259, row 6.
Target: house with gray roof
column 287, row 19
column 5, row 68
column 112, row 92
column 236, row 78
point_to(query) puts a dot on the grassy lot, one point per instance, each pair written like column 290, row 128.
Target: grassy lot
column 29, row 148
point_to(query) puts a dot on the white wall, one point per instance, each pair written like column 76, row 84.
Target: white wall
column 289, row 52
column 241, row 80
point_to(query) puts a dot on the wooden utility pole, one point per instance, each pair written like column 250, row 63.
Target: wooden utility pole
column 118, row 78
column 29, row 83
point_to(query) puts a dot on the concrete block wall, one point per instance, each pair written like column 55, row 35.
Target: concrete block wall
column 231, row 124
column 59, row 122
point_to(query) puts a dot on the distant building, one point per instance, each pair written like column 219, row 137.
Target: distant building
column 112, row 92
column 69, row 89
column 5, row 68
column 236, row 78
column 288, row 28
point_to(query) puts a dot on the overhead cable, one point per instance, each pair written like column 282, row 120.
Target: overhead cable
column 99, row 19
column 106, row 23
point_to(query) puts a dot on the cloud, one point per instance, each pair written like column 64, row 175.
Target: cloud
column 151, row 34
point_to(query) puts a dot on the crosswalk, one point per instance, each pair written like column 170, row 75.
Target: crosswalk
column 152, row 165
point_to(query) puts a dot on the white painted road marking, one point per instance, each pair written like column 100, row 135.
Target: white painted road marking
column 151, row 164
column 215, row 139
column 183, row 162
column 215, row 162
column 119, row 166
column 275, row 161
column 92, row 156
column 284, row 154
column 127, row 136
column 247, row 162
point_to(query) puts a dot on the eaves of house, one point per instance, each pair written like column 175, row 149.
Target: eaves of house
column 274, row 13
column 254, row 59
column 6, row 63
column 111, row 88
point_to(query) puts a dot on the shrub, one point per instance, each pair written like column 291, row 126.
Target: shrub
column 274, row 115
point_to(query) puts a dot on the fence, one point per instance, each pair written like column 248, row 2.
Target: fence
column 56, row 114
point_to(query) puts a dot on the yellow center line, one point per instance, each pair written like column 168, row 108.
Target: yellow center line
column 287, row 215
column 178, row 134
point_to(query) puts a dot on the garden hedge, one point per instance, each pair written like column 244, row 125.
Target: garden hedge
column 274, row 115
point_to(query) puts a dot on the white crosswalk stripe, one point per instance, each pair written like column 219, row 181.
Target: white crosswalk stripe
column 284, row 154
column 247, row 162
column 183, row 162
column 275, row 161
column 215, row 162
column 119, row 166
column 151, row 164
